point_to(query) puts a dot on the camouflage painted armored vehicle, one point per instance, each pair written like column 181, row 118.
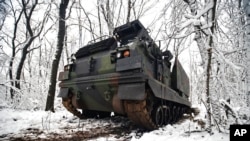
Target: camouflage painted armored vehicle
column 126, row 74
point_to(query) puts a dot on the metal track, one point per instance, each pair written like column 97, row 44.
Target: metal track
column 143, row 112
column 138, row 112
column 67, row 103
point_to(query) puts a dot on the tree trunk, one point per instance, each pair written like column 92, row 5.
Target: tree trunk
column 129, row 10
column 99, row 18
column 108, row 17
column 202, row 48
column 55, row 63
column 30, row 37
column 200, row 43
column 12, row 93
column 11, row 75
column 210, row 19
column 21, row 63
column 208, row 100
column 246, row 5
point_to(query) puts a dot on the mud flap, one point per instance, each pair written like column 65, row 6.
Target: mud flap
column 63, row 93
column 132, row 91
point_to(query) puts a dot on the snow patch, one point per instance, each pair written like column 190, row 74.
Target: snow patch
column 17, row 123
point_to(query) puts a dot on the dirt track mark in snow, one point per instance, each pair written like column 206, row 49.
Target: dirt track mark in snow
column 67, row 129
column 107, row 131
column 116, row 130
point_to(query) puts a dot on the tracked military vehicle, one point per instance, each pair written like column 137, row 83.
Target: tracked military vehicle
column 126, row 74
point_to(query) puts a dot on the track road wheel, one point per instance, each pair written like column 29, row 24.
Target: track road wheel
column 161, row 115
column 167, row 116
column 148, row 113
column 175, row 113
column 158, row 115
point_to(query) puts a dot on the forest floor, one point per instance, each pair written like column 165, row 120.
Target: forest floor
column 23, row 125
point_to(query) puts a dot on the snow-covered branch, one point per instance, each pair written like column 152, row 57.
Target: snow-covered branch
column 197, row 19
column 230, row 108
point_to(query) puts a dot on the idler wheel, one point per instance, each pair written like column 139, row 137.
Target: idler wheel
column 174, row 114
column 167, row 115
column 158, row 116
column 161, row 115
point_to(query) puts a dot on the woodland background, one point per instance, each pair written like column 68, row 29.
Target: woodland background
column 211, row 38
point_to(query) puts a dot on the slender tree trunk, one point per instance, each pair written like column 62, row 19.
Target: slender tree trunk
column 11, row 75
column 129, row 10
column 40, row 63
column 108, row 16
column 210, row 19
column 30, row 35
column 99, row 18
column 11, row 67
column 21, row 63
column 208, row 95
column 55, row 63
column 200, row 43
column 66, row 45
column 246, row 5
column 12, row 93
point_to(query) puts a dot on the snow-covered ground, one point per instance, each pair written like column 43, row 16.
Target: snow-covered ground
column 180, row 132
column 38, row 125
column 41, row 124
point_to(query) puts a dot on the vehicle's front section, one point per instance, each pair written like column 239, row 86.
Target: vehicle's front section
column 119, row 74
column 100, row 73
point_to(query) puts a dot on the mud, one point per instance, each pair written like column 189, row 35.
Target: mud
column 114, row 131
column 111, row 128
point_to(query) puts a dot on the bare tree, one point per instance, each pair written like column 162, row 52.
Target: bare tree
column 22, row 38
column 129, row 10
column 219, row 37
column 13, row 44
column 207, row 40
column 31, row 36
column 108, row 16
column 54, row 69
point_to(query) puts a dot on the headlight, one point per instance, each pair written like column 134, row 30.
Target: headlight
column 126, row 53
column 118, row 55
